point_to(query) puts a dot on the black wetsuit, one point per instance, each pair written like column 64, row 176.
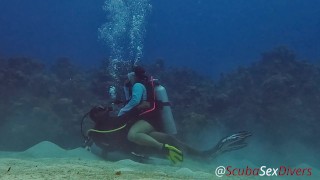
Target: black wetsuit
column 117, row 140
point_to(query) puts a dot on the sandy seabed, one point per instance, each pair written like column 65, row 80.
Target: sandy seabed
column 48, row 161
column 61, row 168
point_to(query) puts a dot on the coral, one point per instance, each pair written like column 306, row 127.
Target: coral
column 278, row 93
column 25, row 65
column 63, row 69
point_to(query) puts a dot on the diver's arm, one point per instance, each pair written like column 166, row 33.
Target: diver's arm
column 137, row 92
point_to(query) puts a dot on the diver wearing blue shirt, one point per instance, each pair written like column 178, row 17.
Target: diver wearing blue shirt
column 143, row 125
column 142, row 129
column 139, row 94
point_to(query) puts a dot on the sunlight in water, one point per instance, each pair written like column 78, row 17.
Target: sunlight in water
column 123, row 33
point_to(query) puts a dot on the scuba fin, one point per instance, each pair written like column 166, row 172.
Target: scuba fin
column 173, row 153
column 233, row 142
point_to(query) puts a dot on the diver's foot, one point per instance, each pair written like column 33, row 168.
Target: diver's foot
column 173, row 154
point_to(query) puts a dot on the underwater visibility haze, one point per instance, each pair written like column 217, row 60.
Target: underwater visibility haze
column 227, row 66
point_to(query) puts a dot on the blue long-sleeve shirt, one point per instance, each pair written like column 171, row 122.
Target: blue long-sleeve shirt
column 139, row 93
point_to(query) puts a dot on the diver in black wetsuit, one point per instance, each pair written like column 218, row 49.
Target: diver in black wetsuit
column 139, row 123
column 110, row 135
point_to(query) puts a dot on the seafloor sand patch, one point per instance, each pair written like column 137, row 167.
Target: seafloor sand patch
column 48, row 161
column 63, row 168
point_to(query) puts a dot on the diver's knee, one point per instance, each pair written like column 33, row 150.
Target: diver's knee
column 131, row 137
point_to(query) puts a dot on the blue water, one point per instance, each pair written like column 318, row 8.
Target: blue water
column 211, row 36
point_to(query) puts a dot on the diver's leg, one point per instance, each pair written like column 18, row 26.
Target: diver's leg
column 139, row 134
column 168, row 139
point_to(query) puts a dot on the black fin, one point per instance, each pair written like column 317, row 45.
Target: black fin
column 229, row 143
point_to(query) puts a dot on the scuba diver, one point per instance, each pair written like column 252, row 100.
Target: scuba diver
column 145, row 124
column 110, row 135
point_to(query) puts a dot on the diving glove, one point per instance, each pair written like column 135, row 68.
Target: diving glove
column 173, row 153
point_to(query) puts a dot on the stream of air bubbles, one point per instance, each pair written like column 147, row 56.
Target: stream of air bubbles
column 123, row 33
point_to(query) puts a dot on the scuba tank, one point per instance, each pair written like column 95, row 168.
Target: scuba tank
column 158, row 99
column 168, row 122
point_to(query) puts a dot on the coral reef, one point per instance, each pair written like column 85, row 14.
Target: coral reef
column 278, row 93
